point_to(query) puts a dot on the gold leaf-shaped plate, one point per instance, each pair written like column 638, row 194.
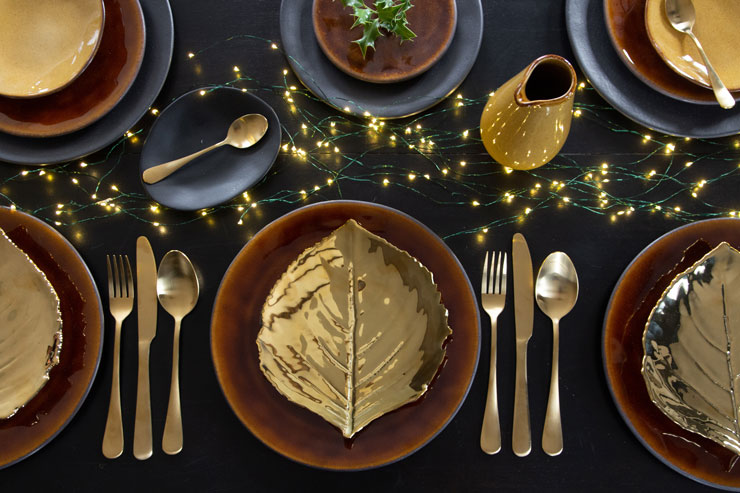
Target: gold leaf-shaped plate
column 292, row 430
column 692, row 348
column 353, row 329
column 54, row 406
column 30, row 328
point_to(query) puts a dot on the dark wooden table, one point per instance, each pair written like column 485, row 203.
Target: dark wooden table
column 220, row 454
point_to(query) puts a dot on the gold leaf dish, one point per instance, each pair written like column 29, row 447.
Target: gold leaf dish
column 691, row 364
column 30, row 328
column 353, row 329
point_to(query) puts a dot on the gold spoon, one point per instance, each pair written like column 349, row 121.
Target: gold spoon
column 243, row 132
column 556, row 291
column 177, row 290
column 682, row 16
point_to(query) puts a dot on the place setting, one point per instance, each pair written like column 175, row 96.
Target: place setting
column 339, row 315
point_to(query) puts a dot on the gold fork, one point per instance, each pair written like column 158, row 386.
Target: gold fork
column 121, row 301
column 493, row 298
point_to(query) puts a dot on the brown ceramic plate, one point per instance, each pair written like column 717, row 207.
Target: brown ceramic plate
column 292, row 430
column 433, row 22
column 625, row 22
column 46, row 44
column 716, row 27
column 96, row 91
column 632, row 301
column 82, row 329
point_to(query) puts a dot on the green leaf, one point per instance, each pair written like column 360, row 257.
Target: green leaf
column 386, row 16
column 370, row 33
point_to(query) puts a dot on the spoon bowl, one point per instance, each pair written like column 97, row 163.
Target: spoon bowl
column 243, row 132
column 177, row 290
column 556, row 292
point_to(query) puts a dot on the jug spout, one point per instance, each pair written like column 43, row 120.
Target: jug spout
column 526, row 121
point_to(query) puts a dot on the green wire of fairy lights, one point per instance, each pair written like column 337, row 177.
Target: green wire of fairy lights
column 444, row 165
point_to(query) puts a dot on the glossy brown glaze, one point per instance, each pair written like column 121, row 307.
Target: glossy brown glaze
column 625, row 21
column 638, row 291
column 433, row 22
column 98, row 89
column 292, row 430
column 52, row 408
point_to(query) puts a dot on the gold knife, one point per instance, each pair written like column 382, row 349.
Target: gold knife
column 524, row 313
column 146, row 285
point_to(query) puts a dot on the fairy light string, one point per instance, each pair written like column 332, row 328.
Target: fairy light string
column 445, row 164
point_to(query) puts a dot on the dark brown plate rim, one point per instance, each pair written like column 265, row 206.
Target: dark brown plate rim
column 436, row 428
column 605, row 352
column 39, row 225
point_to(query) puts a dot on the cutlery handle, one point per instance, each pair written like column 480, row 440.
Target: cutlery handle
column 723, row 96
column 552, row 434
column 113, row 436
column 490, row 435
column 143, row 424
column 172, row 438
column 162, row 171
column 521, row 440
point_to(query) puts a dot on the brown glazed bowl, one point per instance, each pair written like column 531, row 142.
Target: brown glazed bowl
column 96, row 91
column 625, row 22
column 433, row 22
column 44, row 416
column 633, row 298
column 292, row 430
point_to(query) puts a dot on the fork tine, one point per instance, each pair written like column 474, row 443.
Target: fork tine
column 497, row 281
column 485, row 275
column 116, row 277
column 129, row 278
column 503, row 277
column 491, row 272
column 122, row 288
column 111, row 285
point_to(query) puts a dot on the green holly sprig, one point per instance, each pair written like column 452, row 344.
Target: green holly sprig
column 387, row 16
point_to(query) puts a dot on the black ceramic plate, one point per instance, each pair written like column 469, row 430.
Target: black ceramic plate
column 626, row 93
column 397, row 100
column 160, row 34
column 195, row 121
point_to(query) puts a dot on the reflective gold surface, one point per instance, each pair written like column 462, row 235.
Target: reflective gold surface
column 526, row 120
column 691, row 364
column 556, row 292
column 30, row 328
column 353, row 329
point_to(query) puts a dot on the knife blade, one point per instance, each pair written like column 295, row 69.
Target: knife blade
column 146, row 286
column 524, row 316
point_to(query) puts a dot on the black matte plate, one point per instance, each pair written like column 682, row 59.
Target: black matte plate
column 397, row 100
column 626, row 93
column 195, row 121
column 160, row 35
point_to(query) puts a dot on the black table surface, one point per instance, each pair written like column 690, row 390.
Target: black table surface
column 222, row 455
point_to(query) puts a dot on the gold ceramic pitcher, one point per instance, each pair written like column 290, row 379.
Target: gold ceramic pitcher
column 526, row 120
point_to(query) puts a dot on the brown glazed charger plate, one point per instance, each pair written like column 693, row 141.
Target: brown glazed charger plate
column 433, row 22
column 44, row 416
column 96, row 91
column 625, row 22
column 292, row 430
column 633, row 298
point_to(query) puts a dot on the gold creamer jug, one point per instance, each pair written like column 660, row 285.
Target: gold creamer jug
column 526, row 120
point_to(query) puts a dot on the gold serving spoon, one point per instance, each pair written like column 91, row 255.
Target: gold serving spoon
column 177, row 290
column 243, row 132
column 556, row 291
column 682, row 16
